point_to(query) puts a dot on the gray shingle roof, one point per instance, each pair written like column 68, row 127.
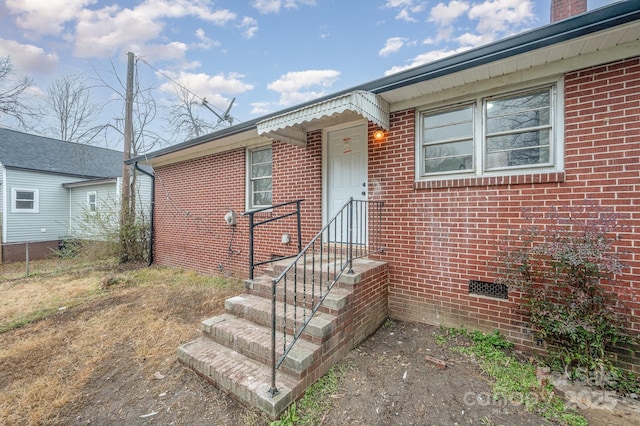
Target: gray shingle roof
column 30, row 152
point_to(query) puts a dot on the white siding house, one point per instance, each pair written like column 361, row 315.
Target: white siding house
column 49, row 188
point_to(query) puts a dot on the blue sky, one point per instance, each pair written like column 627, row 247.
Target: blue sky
column 267, row 54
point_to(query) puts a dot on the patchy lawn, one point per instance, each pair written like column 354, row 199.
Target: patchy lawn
column 95, row 343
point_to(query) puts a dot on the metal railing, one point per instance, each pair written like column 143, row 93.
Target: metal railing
column 253, row 224
column 354, row 232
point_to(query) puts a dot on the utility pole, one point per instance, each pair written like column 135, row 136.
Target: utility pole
column 128, row 133
column 125, row 207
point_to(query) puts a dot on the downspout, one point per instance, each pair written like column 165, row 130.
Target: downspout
column 153, row 202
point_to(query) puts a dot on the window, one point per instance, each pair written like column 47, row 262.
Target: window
column 91, row 201
column 448, row 141
column 259, row 170
column 25, row 200
column 489, row 135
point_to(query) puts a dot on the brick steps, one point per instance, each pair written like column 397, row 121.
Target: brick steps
column 258, row 310
column 234, row 352
column 334, row 303
column 254, row 342
column 233, row 372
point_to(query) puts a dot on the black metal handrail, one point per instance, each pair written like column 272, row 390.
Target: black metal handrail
column 354, row 232
column 252, row 225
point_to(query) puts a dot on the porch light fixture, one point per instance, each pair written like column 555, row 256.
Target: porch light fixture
column 378, row 133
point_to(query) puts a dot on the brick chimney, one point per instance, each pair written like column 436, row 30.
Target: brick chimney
column 563, row 9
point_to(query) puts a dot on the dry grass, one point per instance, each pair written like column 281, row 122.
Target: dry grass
column 137, row 316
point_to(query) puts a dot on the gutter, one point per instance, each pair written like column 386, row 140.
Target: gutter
column 153, row 203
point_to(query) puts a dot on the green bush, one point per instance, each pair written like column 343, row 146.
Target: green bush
column 560, row 264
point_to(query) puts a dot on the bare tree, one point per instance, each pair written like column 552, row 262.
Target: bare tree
column 145, row 110
column 184, row 118
column 144, row 139
column 12, row 92
column 75, row 113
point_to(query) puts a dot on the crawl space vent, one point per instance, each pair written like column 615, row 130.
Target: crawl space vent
column 483, row 288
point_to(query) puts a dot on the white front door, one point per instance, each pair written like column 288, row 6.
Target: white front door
column 346, row 167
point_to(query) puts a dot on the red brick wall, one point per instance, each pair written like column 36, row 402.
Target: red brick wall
column 438, row 236
column 441, row 236
column 562, row 9
column 192, row 198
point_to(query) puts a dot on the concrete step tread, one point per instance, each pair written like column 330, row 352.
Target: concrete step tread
column 246, row 305
column 235, row 373
column 335, row 300
column 254, row 341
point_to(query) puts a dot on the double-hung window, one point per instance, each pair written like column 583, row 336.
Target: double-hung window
column 25, row 200
column 498, row 134
column 92, row 201
column 260, row 183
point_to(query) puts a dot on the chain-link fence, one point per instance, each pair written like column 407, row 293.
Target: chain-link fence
column 27, row 258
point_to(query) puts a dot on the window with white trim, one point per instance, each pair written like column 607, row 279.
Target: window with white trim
column 25, row 200
column 92, row 201
column 501, row 134
column 259, row 176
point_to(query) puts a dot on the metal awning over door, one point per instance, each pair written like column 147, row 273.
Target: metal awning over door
column 292, row 126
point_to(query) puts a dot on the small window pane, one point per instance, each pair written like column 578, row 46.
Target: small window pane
column 518, row 149
column 518, row 103
column 262, row 198
column 25, row 195
column 448, row 141
column 262, row 156
column 521, row 120
column 28, row 205
column 260, row 171
column 262, row 185
column 448, row 157
column 448, row 125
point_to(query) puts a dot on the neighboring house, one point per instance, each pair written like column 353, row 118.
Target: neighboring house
column 50, row 187
column 549, row 117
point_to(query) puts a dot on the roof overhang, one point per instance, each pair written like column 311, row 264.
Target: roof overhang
column 206, row 145
column 89, row 182
column 292, row 126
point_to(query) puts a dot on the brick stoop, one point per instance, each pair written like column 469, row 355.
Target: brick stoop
column 234, row 351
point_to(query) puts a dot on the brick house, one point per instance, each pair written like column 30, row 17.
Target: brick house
column 452, row 168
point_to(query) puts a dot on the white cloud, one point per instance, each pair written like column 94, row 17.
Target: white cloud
column 205, row 42
column 445, row 14
column 408, row 8
column 110, row 30
column 208, row 85
column 217, row 89
column 473, row 40
column 261, row 108
column 297, row 87
column 392, row 45
column 250, row 26
column 426, row 58
column 267, row 6
column 501, row 15
column 398, row 3
column 274, row 6
column 28, row 58
column 43, row 17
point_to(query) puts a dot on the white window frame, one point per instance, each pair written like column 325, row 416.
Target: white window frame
column 95, row 201
column 249, row 191
column 478, row 103
column 14, row 200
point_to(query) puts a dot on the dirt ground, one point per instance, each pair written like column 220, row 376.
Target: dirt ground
column 127, row 371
